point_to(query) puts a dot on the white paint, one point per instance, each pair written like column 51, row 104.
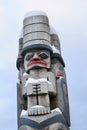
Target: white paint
column 25, row 74
column 52, row 30
column 55, row 50
column 34, row 13
column 38, row 106
column 37, row 81
column 57, row 110
column 24, row 113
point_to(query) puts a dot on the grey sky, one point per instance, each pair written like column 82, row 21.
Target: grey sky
column 69, row 18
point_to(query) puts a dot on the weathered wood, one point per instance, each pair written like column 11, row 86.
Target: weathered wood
column 42, row 93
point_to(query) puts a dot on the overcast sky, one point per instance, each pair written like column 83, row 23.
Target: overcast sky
column 69, row 18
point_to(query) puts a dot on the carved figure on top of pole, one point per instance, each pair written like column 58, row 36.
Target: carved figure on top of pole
column 44, row 97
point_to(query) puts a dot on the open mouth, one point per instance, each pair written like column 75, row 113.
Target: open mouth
column 36, row 62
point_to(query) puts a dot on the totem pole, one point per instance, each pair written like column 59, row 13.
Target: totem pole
column 42, row 95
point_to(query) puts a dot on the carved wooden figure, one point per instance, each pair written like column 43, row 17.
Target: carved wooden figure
column 39, row 83
column 42, row 88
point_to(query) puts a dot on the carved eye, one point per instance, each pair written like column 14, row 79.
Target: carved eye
column 43, row 55
column 28, row 57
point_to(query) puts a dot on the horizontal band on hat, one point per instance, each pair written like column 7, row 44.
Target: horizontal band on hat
column 37, row 41
column 32, row 32
column 35, row 19
column 59, row 57
column 37, row 36
column 36, row 46
column 40, row 23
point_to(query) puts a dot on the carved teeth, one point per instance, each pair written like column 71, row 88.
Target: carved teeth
column 38, row 111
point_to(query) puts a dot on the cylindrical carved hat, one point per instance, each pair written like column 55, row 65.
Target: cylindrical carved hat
column 55, row 41
column 56, row 46
column 36, row 32
column 20, row 58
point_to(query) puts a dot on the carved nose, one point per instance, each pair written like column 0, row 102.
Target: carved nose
column 35, row 57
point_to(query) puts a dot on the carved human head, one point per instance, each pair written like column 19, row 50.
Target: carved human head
column 37, row 58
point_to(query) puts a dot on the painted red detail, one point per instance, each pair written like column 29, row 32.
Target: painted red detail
column 59, row 74
column 34, row 61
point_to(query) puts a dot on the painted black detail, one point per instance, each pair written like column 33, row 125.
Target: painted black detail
column 36, row 89
column 43, row 124
column 36, row 46
column 59, row 57
column 43, row 55
column 18, row 62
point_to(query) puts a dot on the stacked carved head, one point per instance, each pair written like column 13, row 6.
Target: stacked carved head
column 36, row 41
column 39, row 43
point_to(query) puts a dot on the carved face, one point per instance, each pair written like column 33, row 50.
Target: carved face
column 37, row 59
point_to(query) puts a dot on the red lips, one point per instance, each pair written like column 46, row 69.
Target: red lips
column 36, row 61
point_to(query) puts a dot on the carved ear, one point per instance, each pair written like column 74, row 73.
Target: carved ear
column 59, row 74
